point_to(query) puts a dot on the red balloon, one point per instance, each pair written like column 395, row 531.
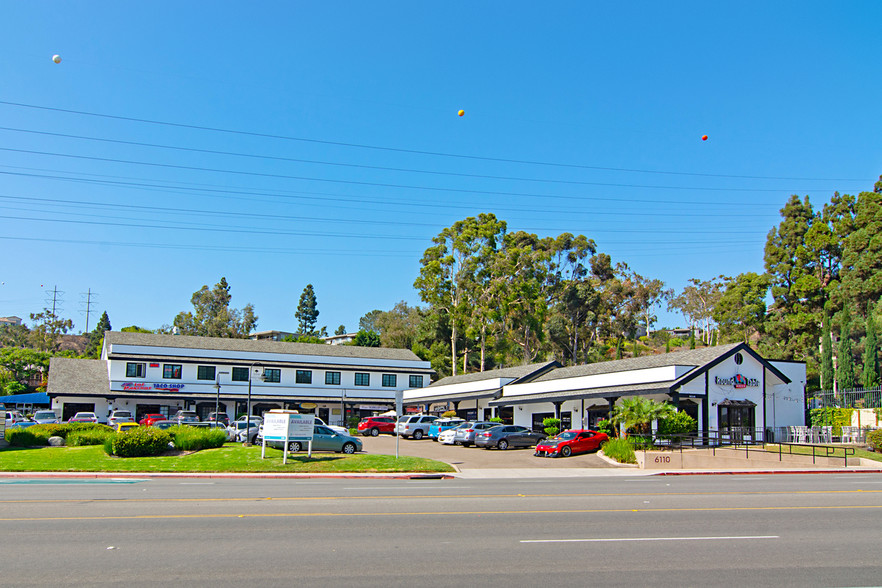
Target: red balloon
column 704, row 137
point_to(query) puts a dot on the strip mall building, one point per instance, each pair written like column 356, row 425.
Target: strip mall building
column 725, row 388
column 148, row 373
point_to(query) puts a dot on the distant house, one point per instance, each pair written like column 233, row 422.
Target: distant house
column 684, row 333
column 339, row 339
column 10, row 320
column 272, row 335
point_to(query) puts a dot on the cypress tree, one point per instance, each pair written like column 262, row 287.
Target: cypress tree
column 827, row 356
column 845, row 365
column 871, row 354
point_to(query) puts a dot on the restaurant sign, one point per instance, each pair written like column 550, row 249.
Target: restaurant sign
column 145, row 387
column 737, row 381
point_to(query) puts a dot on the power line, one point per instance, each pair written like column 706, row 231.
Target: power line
column 417, row 151
column 88, row 305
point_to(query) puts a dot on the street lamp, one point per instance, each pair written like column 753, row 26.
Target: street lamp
column 251, row 370
column 217, row 399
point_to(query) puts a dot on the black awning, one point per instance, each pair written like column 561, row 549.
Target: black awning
column 742, row 403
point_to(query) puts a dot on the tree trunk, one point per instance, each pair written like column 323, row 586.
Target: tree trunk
column 453, row 347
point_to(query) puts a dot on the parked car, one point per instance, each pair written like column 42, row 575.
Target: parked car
column 241, row 431
column 505, row 436
column 149, row 419
column 570, row 442
column 447, row 436
column 324, row 439
column 336, row 428
column 84, row 417
column 165, row 424
column 46, row 417
column 13, row 416
column 120, row 416
column 218, row 417
column 465, row 433
column 375, row 425
column 124, row 426
column 186, row 416
column 416, row 426
column 442, row 425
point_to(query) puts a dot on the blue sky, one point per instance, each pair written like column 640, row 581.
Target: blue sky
column 288, row 143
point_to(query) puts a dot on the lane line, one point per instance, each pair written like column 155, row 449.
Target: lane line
column 624, row 539
column 443, row 513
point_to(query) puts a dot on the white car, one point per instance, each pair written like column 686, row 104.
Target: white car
column 445, row 437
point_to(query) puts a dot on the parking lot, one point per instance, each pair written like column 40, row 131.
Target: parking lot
column 466, row 458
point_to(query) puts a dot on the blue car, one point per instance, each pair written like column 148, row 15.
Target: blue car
column 442, row 425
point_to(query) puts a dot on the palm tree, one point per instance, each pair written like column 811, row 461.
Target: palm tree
column 637, row 413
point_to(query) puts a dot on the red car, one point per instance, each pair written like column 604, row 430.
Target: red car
column 569, row 442
column 375, row 425
column 149, row 419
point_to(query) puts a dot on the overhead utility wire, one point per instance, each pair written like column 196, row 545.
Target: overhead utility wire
column 388, row 185
column 417, row 151
column 375, row 167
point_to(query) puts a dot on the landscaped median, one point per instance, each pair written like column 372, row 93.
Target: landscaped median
column 95, row 448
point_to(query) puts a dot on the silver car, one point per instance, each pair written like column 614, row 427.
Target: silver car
column 416, row 426
column 46, row 417
column 465, row 433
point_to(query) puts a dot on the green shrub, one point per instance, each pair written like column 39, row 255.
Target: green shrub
column 620, row 450
column 108, row 443
column 605, row 426
column 495, row 419
column 88, row 437
column 551, row 426
column 353, row 431
column 675, row 342
column 675, row 425
column 874, row 438
column 195, row 438
column 140, row 442
column 448, row 414
column 27, row 437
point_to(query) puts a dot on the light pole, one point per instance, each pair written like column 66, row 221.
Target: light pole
column 217, row 398
column 246, row 442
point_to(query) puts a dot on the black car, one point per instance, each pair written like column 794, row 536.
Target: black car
column 505, row 436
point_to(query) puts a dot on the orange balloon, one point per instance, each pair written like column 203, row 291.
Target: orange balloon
column 461, row 112
column 704, row 137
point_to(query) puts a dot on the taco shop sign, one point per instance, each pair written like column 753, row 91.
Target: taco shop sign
column 737, row 381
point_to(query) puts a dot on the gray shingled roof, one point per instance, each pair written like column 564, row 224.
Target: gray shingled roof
column 693, row 357
column 563, row 395
column 252, row 346
column 516, row 372
column 67, row 375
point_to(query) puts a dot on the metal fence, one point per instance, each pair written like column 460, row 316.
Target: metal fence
column 851, row 398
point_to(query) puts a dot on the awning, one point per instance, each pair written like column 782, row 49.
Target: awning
column 494, row 393
column 593, row 393
column 31, row 398
column 742, row 403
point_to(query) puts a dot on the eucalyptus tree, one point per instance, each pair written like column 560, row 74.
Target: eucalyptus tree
column 741, row 310
column 447, row 275
column 698, row 300
column 213, row 317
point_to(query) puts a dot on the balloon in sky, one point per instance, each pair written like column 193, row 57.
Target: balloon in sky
column 704, row 137
column 461, row 112
column 56, row 58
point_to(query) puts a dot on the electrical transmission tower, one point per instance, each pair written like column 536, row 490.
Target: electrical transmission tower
column 88, row 303
column 55, row 299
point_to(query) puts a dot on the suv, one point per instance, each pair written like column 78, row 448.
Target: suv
column 120, row 416
column 186, row 416
column 375, row 425
column 219, row 417
column 465, row 433
column 416, row 426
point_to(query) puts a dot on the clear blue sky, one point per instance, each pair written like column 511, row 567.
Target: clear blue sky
column 338, row 153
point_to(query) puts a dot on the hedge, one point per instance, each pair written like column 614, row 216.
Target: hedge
column 36, row 435
column 138, row 442
column 196, row 438
column 874, row 438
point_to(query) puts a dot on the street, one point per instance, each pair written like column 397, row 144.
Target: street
column 807, row 530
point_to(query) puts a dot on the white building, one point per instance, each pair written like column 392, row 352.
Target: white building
column 725, row 388
column 148, row 373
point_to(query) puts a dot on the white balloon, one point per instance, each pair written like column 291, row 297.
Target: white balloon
column 56, row 58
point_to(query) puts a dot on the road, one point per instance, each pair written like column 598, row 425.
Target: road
column 751, row 530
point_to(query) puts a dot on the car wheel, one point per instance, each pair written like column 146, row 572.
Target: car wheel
column 503, row 444
column 565, row 451
column 294, row 446
column 254, row 440
column 349, row 448
column 375, row 432
column 418, row 434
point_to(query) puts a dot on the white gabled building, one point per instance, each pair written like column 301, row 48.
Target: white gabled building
column 149, row 373
column 724, row 388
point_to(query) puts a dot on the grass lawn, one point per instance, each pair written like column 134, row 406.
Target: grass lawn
column 838, row 452
column 231, row 457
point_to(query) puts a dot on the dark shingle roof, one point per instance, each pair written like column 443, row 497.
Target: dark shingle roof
column 516, row 372
column 692, row 357
column 67, row 375
column 112, row 338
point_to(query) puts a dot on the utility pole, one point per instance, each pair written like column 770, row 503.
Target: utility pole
column 88, row 304
column 56, row 302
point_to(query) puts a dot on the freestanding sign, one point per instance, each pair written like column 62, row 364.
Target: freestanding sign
column 287, row 427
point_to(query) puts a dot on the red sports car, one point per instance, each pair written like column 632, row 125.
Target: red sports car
column 569, row 442
column 149, row 419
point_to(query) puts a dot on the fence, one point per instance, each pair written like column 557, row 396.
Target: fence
column 851, row 398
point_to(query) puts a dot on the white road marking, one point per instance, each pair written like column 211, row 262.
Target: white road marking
column 624, row 539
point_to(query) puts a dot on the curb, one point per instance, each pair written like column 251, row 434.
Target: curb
column 244, row 475
column 762, row 472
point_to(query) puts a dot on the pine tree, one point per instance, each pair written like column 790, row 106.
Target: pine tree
column 96, row 336
column 871, row 354
column 307, row 312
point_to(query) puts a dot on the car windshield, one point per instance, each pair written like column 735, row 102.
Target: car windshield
column 45, row 415
column 122, row 414
column 567, row 435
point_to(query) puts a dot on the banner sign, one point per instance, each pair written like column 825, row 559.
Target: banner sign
column 288, row 426
column 145, row 387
